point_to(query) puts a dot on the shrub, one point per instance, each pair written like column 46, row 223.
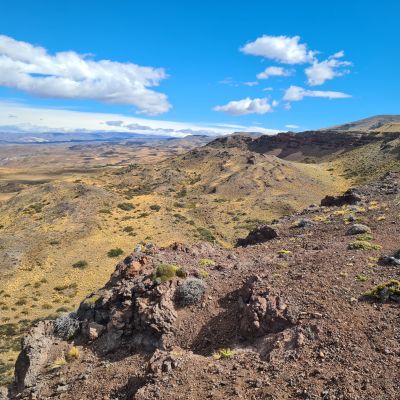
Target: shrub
column 82, row 264
column 364, row 245
column 155, row 207
column 67, row 326
column 206, row 262
column 167, row 272
column 128, row 229
column 190, row 292
column 386, row 291
column 206, row 234
column 126, row 206
column 115, row 252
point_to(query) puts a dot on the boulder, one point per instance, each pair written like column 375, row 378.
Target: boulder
column 261, row 234
column 358, row 229
column 349, row 197
column 34, row 354
column 262, row 311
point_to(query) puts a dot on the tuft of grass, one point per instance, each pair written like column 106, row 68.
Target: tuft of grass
column 206, row 262
column 223, row 353
column 155, row 207
column 365, row 236
column 284, row 252
column 115, row 252
column 203, row 274
column 81, row 264
column 73, row 354
column 363, row 245
column 58, row 363
column 361, row 278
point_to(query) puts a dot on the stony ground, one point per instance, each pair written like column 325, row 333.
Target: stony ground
column 285, row 319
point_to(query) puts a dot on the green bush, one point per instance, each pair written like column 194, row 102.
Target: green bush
column 115, row 252
column 364, row 245
column 126, row 206
column 167, row 272
column 206, row 234
column 385, row 291
column 82, row 264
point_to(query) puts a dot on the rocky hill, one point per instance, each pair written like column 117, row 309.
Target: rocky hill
column 377, row 123
column 305, row 308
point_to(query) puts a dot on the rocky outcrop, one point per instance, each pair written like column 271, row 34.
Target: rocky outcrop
column 358, row 229
column 260, row 234
column 262, row 310
column 349, row 197
column 131, row 307
column 34, row 354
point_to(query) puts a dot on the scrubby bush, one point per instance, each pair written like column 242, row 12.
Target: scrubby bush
column 385, row 291
column 190, row 292
column 126, row 206
column 67, row 326
column 155, row 207
column 167, row 272
column 206, row 262
column 206, row 234
column 364, row 245
column 223, row 353
column 115, row 252
column 81, row 264
column 73, row 354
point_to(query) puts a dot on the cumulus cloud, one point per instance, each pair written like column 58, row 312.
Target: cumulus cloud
column 247, row 106
column 296, row 93
column 69, row 75
column 274, row 71
column 319, row 72
column 285, row 49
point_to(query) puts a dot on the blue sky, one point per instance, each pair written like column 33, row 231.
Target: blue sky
column 202, row 56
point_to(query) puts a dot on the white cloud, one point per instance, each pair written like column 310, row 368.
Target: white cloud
column 274, row 71
column 296, row 93
column 246, row 106
column 35, row 120
column 292, row 126
column 285, row 49
column 319, row 72
column 69, row 75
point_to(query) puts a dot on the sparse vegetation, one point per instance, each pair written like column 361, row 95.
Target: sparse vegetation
column 126, row 206
column 206, row 262
column 190, row 292
column 73, row 354
column 386, row 291
column 67, row 325
column 206, row 235
column 81, row 264
column 155, row 207
column 223, row 353
column 115, row 252
column 167, row 272
column 364, row 245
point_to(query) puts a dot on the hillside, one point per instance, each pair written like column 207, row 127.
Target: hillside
column 378, row 123
column 59, row 236
column 298, row 315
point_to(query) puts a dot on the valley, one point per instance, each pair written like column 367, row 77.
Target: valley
column 69, row 211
